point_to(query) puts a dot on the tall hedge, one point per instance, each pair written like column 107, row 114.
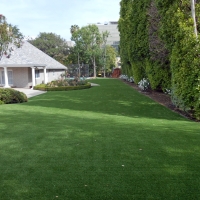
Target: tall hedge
column 157, row 42
column 133, row 27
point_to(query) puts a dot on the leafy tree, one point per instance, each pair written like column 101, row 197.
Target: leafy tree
column 88, row 42
column 108, row 59
column 10, row 37
column 53, row 45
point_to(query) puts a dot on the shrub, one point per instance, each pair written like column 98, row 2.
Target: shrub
column 131, row 79
column 64, row 84
column 8, row 95
column 144, row 84
column 61, row 88
column 123, row 77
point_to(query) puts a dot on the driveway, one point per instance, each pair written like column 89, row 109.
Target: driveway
column 29, row 92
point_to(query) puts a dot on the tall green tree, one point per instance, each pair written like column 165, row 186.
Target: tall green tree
column 88, row 41
column 10, row 37
column 77, row 48
column 108, row 59
column 53, row 45
column 159, row 40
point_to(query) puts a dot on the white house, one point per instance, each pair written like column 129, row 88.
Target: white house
column 28, row 66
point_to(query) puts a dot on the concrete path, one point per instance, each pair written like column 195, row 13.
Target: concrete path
column 94, row 84
column 29, row 92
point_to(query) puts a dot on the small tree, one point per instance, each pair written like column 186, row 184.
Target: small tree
column 88, row 41
column 10, row 37
column 77, row 48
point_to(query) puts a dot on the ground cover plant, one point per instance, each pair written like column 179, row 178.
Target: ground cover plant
column 109, row 142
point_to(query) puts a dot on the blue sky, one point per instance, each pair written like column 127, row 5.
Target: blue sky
column 57, row 16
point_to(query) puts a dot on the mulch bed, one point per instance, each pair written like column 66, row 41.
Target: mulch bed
column 162, row 99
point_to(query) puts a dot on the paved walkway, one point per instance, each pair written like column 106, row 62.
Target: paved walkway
column 29, row 92
column 94, row 84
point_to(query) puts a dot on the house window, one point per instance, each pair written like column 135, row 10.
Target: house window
column 37, row 73
column 53, row 72
column 10, row 78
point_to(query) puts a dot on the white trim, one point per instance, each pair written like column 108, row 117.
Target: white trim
column 45, row 76
column 33, row 77
column 5, row 72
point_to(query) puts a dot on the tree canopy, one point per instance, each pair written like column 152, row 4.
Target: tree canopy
column 88, row 41
column 90, row 47
column 10, row 37
column 53, row 45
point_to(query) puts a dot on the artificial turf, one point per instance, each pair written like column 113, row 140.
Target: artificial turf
column 107, row 142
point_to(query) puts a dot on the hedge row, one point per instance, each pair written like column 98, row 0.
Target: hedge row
column 61, row 88
column 157, row 42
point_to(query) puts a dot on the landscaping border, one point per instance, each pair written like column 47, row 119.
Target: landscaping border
column 62, row 88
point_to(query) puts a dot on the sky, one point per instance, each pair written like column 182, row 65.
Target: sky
column 56, row 16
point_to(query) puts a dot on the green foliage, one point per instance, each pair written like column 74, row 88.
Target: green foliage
column 197, row 105
column 88, row 44
column 53, row 45
column 133, row 27
column 158, row 76
column 178, row 33
column 64, row 85
column 9, row 34
column 108, row 58
column 157, row 42
column 8, row 95
column 62, row 88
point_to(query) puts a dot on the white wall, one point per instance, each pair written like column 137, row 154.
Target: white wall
column 22, row 76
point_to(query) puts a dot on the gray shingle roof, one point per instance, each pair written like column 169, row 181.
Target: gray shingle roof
column 29, row 55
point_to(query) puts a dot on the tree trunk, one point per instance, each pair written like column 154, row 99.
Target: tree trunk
column 104, row 71
column 79, row 73
column 94, row 64
column 194, row 16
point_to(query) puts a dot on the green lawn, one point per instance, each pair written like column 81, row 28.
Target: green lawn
column 107, row 142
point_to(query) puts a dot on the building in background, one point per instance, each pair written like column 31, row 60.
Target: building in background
column 111, row 27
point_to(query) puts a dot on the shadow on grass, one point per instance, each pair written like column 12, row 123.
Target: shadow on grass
column 67, row 154
column 112, row 97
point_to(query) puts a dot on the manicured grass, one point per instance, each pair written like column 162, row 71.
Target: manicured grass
column 107, row 142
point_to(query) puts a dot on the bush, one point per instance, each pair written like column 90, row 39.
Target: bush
column 64, row 84
column 8, row 95
column 61, row 88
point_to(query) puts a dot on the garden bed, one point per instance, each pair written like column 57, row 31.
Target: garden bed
column 61, row 88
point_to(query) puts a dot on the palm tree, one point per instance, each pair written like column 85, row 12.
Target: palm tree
column 74, row 28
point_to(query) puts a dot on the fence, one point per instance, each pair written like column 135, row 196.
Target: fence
column 81, row 70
